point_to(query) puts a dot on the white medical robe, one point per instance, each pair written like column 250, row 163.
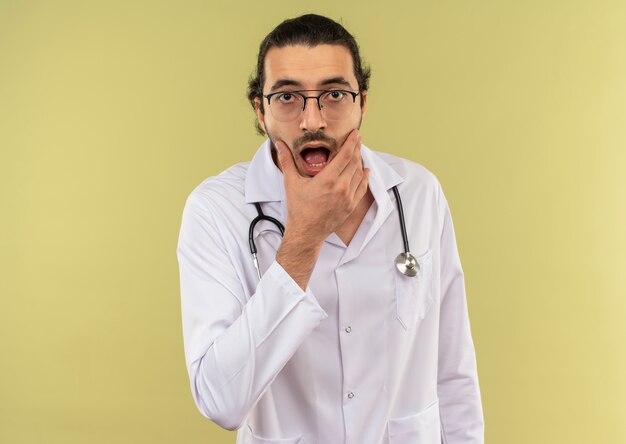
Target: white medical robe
column 365, row 355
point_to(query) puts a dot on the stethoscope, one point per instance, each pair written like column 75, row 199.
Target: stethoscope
column 405, row 261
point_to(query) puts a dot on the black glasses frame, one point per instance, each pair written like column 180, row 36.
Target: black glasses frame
column 318, row 97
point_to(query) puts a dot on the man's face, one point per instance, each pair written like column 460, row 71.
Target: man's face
column 312, row 139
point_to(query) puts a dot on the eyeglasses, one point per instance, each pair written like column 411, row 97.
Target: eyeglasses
column 334, row 104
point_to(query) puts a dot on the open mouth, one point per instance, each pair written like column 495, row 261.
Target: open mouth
column 315, row 156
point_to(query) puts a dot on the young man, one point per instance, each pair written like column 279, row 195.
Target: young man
column 336, row 338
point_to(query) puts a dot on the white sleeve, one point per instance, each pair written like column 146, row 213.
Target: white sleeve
column 234, row 348
column 457, row 380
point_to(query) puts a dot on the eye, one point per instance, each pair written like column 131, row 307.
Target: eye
column 286, row 98
column 335, row 95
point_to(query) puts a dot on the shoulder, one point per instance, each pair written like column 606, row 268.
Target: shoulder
column 414, row 174
column 223, row 190
column 419, row 187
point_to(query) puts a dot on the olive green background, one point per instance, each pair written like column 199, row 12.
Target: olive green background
column 111, row 112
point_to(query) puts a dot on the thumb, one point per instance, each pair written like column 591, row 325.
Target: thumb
column 285, row 159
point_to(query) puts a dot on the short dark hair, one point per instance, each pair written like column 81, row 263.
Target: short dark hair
column 310, row 30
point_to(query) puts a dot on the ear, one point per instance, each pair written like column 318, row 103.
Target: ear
column 259, row 114
column 363, row 103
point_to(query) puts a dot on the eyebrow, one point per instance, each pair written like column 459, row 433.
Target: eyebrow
column 338, row 80
column 284, row 82
column 329, row 81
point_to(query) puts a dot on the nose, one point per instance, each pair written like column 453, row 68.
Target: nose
column 311, row 118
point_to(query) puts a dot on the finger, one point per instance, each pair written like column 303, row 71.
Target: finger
column 362, row 188
column 346, row 152
column 355, row 180
column 356, row 162
column 354, row 165
column 285, row 159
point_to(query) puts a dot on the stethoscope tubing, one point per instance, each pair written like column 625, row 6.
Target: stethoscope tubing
column 405, row 262
column 405, row 238
column 255, row 221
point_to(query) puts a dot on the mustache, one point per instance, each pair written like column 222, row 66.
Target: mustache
column 317, row 136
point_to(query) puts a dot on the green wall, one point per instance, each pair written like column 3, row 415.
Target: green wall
column 111, row 112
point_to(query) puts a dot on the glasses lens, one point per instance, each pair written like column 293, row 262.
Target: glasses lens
column 286, row 106
column 336, row 104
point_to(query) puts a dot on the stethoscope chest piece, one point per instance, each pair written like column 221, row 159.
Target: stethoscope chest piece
column 407, row 264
